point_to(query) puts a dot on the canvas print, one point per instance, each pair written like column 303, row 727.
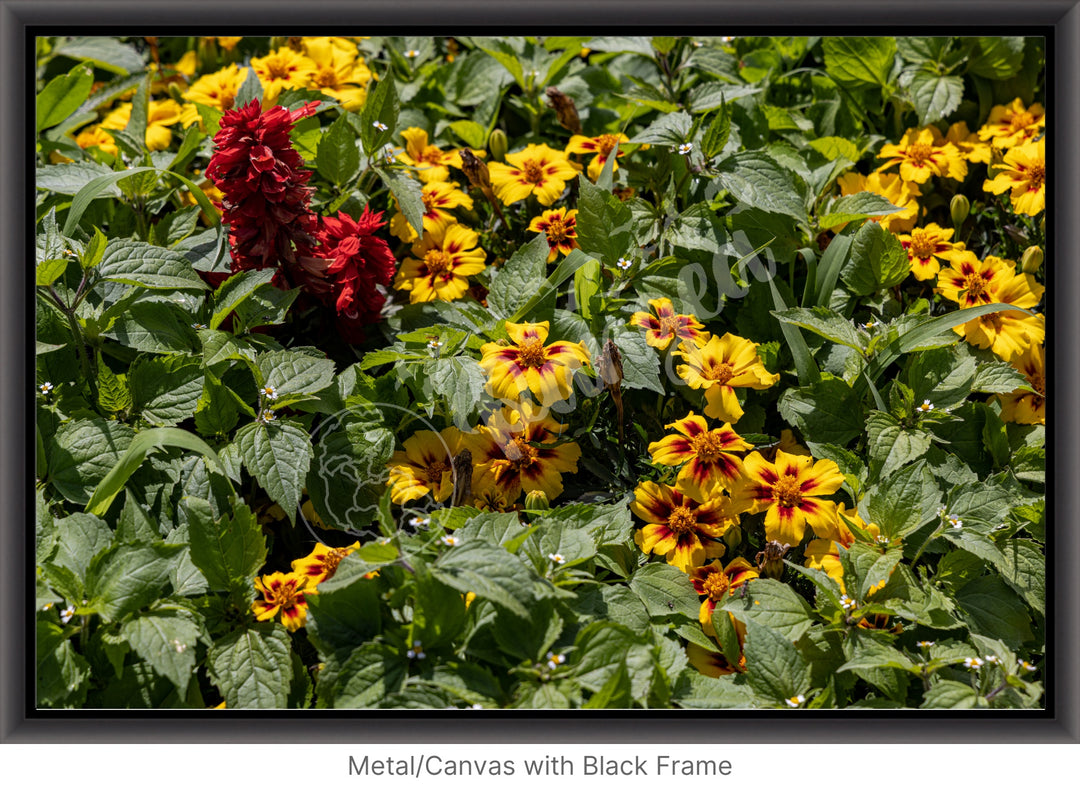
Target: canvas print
column 540, row 372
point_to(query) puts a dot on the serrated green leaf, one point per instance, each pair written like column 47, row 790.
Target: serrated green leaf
column 278, row 454
column 252, row 667
column 137, row 263
column 665, row 591
column 859, row 61
column 229, row 551
column 774, row 668
column 935, row 96
column 166, row 642
column 769, row 602
column 757, row 180
column 519, row 278
column 338, row 156
column 903, row 502
column 289, row 373
column 126, row 577
column 877, row 261
column 490, row 572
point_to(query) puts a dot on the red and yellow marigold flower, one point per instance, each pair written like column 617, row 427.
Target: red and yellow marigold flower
column 716, row 583
column 285, row 592
column 284, row 68
column 528, row 365
column 971, row 148
column 970, row 282
column 714, row 663
column 790, row 492
column 1012, row 125
column 925, row 245
column 439, row 199
column 667, row 325
column 339, row 72
column 95, row 136
column 518, row 451
column 921, row 154
column 892, row 188
column 560, row 227
column 537, row 169
column 218, row 89
column 322, row 563
column 1023, row 406
column 823, row 554
column 687, row 532
column 430, row 162
column 708, row 465
column 425, row 465
column 721, row 366
column 602, row 147
column 1024, row 176
column 441, row 264
column 160, row 114
column 835, row 527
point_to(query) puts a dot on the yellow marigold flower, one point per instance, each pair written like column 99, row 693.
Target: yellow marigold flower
column 1027, row 407
column 188, row 64
column 537, row 169
column 95, row 136
column 789, row 490
column 285, row 592
column 716, row 583
column 560, row 227
column 322, row 563
column 282, row 69
column 492, row 500
column 1012, row 125
column 218, row 89
column 823, row 554
column 438, row 198
column 425, row 466
column 516, row 451
column 430, row 162
column 834, row 528
column 339, row 72
column 920, row 157
column 667, row 325
column 721, row 366
column 687, row 532
column 788, row 443
column 1024, row 175
column 974, row 150
column 602, row 146
column 159, row 115
column 528, row 365
column 894, row 189
column 713, row 663
column 925, row 245
column 969, row 282
column 189, row 115
column 705, row 455
column 228, row 42
column 442, row 262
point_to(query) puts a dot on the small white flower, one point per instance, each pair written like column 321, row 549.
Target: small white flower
column 1026, row 666
column 433, row 347
column 796, row 700
column 379, row 125
column 847, row 602
column 555, row 660
column 449, row 540
column 198, row 326
column 698, row 44
column 624, row 263
column 925, row 643
column 926, row 406
column 45, row 388
column 684, row 149
column 267, row 416
column 728, row 39
column 882, row 540
column 557, row 558
column 416, row 522
column 48, row 606
column 388, row 153
column 955, row 522
column 412, row 53
column 475, row 706
column 270, row 392
column 179, row 647
column 67, row 613
column 993, row 659
column 973, row 663
column 416, row 652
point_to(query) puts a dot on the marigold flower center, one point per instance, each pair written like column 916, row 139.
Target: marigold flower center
column 715, row 585
column 707, row 446
column 279, row 70
column 682, row 521
column 434, row 472
column 432, row 155
column 285, row 595
column 669, row 325
column 331, row 560
column 438, row 263
column 606, row 143
column 923, row 245
column 920, row 152
column 975, row 287
column 1038, row 382
column 519, row 452
column 325, row 78
column 556, row 230
column 531, row 355
column 533, row 172
column 786, row 491
column 720, row 372
column 1021, row 121
column 1037, row 175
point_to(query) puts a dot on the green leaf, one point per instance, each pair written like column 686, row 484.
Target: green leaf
column 104, row 52
column 769, row 602
column 828, row 412
column 48, row 272
column 755, row 179
column 127, row 577
column 229, row 551
column 490, row 572
column 291, row 373
column 1024, row 568
column 373, row 672
column 503, row 52
column 338, row 157
column 105, row 185
column 250, row 89
column 877, row 261
column 166, row 390
column 151, row 326
column 859, row 61
column 63, row 95
column 343, row 618
column 278, row 454
column 805, row 365
column 252, row 667
column 137, row 263
column 353, row 452
column 409, row 195
column 602, row 648
column 893, row 445
column 519, row 278
column 997, row 377
column 996, row 57
column 990, row 608
column 461, row 382
column 138, row 448
column 83, row 454
column 832, row 262
column 232, row 293
column 950, row 695
column 904, row 501
column 640, row 362
column 167, row 642
column 604, row 224
column 61, row 672
column 774, row 668
column 665, row 590
column 381, row 106
column 616, row 692
column 670, row 129
column 827, row 323
column 80, row 537
column 854, row 207
column 935, row 96
column 717, row 133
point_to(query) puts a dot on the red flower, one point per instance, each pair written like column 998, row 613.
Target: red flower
column 358, row 262
column 265, row 186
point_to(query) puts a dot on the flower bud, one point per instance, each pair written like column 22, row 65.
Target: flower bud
column 565, row 109
column 1032, row 259
column 497, row 144
column 770, row 560
column 537, row 500
column 959, row 208
column 733, row 537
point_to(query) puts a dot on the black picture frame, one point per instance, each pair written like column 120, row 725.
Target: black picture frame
column 1058, row 20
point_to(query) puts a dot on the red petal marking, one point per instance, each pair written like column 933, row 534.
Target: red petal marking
column 785, row 513
column 808, row 485
column 792, row 470
column 763, row 493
